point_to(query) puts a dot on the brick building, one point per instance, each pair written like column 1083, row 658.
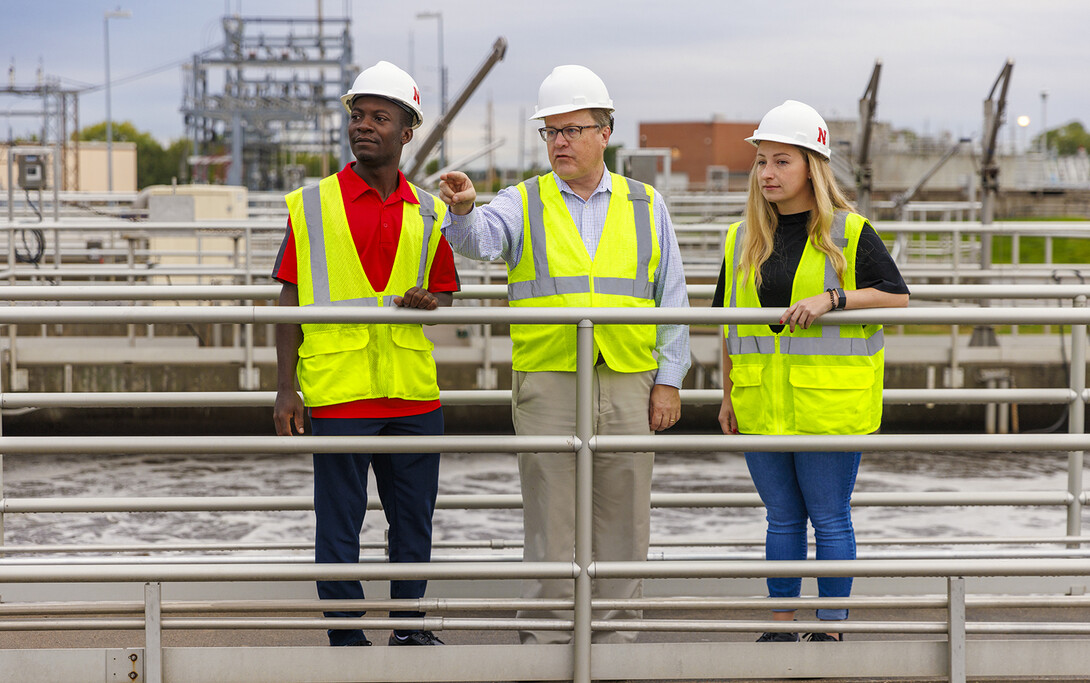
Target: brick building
column 705, row 151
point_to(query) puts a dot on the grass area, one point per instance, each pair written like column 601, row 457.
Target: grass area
column 1032, row 249
column 1065, row 250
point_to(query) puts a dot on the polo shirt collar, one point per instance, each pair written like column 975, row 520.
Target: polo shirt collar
column 354, row 186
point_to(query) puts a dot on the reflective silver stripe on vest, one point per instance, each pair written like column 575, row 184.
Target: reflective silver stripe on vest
column 544, row 284
column 387, row 300
column 739, row 345
column 641, row 210
column 571, row 284
column 732, row 330
column 830, row 343
column 836, row 233
column 429, row 216
column 319, row 272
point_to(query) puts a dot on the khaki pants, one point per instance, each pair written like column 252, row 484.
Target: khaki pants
column 544, row 403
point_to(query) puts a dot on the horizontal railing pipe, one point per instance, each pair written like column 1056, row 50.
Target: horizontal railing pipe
column 270, row 292
column 216, row 445
column 461, row 315
column 501, row 501
column 125, row 572
column 858, row 568
column 235, row 399
column 819, row 442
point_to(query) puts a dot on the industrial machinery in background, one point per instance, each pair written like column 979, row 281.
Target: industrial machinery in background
column 268, row 98
column 279, row 81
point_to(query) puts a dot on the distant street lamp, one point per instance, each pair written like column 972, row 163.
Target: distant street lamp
column 438, row 16
column 110, row 14
column 1044, row 119
column 1023, row 121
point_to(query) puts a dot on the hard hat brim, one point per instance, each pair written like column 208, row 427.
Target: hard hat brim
column 756, row 138
column 348, row 98
column 540, row 114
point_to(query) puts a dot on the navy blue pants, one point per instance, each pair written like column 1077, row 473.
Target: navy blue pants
column 407, row 485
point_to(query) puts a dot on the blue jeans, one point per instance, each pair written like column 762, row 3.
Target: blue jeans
column 797, row 486
column 407, row 486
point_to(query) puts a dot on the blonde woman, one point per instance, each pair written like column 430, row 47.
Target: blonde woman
column 803, row 248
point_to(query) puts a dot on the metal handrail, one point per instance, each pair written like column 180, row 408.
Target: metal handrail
column 129, row 292
column 584, row 443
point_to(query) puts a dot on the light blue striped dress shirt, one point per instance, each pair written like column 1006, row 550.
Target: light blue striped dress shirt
column 494, row 231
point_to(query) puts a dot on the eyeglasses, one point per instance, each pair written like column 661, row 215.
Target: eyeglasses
column 571, row 133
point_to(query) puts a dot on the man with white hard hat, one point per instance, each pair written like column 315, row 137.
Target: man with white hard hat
column 366, row 237
column 581, row 236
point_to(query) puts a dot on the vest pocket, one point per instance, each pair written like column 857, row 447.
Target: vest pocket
column 412, row 372
column 831, row 399
column 333, row 366
column 746, row 396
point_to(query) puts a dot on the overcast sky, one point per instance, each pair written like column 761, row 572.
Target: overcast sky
column 678, row 60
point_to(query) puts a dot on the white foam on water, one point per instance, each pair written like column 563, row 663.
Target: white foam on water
column 462, row 473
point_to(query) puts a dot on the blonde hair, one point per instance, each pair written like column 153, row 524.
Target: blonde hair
column 762, row 219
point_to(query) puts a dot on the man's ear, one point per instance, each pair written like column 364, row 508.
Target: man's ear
column 406, row 135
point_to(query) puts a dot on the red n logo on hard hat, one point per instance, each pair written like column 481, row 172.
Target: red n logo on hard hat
column 822, row 136
column 416, row 95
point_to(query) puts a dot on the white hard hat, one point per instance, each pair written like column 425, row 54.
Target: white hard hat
column 386, row 80
column 794, row 123
column 571, row 88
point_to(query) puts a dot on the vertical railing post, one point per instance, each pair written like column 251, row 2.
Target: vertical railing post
column 130, row 262
column 955, row 591
column 584, row 473
column 153, row 632
column 250, row 381
column 2, row 504
column 1076, row 423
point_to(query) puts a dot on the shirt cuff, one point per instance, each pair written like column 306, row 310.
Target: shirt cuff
column 671, row 375
column 459, row 222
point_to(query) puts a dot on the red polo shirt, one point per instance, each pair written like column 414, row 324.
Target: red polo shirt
column 376, row 228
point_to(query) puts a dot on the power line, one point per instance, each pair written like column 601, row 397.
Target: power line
column 90, row 88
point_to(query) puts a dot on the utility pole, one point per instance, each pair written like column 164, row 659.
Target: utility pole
column 868, row 104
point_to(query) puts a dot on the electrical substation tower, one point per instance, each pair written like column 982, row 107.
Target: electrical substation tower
column 269, row 93
column 59, row 117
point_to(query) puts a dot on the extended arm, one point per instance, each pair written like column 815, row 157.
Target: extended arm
column 484, row 233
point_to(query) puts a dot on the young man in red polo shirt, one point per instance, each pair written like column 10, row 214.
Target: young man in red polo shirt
column 367, row 237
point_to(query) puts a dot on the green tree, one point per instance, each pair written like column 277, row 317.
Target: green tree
column 154, row 165
column 1066, row 140
column 611, row 157
column 313, row 163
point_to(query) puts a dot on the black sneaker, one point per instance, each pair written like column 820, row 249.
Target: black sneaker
column 415, row 638
column 824, row 638
column 362, row 642
column 769, row 637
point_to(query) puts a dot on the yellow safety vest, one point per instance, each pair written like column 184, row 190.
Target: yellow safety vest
column 338, row 362
column 823, row 380
column 556, row 270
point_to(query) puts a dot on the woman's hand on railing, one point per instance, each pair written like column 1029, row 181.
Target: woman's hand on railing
column 805, row 311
